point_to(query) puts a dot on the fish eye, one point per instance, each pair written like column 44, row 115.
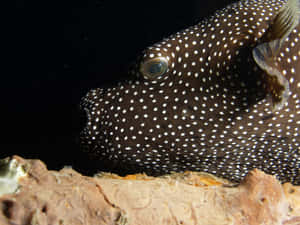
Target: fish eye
column 153, row 68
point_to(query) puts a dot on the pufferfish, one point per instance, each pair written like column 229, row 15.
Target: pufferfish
column 220, row 97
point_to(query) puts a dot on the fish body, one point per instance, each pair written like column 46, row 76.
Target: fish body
column 220, row 97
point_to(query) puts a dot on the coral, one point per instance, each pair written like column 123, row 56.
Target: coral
column 66, row 197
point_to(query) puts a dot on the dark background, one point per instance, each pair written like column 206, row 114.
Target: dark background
column 57, row 50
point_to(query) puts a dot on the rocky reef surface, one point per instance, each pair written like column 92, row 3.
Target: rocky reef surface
column 30, row 194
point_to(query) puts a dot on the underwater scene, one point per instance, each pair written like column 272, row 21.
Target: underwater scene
column 156, row 86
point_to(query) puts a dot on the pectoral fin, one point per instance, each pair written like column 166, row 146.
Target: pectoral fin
column 277, row 84
column 265, row 54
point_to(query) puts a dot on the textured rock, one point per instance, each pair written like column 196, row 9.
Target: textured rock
column 67, row 197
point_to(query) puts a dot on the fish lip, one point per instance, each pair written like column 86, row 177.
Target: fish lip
column 86, row 109
column 85, row 128
column 87, row 115
column 85, row 118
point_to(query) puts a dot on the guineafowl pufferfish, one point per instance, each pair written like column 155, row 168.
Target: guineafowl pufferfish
column 220, row 97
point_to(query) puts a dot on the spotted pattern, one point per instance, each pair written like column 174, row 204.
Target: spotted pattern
column 210, row 111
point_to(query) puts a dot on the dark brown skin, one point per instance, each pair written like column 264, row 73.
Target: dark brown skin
column 212, row 109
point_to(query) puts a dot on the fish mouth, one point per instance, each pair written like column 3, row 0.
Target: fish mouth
column 91, row 140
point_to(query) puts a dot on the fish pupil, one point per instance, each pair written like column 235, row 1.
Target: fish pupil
column 155, row 68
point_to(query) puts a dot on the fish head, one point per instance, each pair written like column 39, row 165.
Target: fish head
column 162, row 118
column 201, row 100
